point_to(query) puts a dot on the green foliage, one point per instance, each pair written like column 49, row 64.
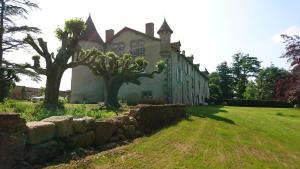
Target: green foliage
column 7, row 81
column 37, row 111
column 10, row 32
column 57, row 64
column 161, row 65
column 226, row 81
column 73, row 28
column 214, row 86
column 256, row 103
column 243, row 67
column 119, row 69
column 251, row 91
column 266, row 81
column 13, row 11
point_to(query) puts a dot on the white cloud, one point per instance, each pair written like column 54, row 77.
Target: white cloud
column 292, row 30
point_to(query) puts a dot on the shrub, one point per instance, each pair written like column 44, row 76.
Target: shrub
column 36, row 111
column 256, row 103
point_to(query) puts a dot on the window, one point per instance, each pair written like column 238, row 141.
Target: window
column 187, row 68
column 137, row 48
column 147, row 94
column 179, row 75
column 199, row 84
column 118, row 47
column 193, row 84
column 187, row 87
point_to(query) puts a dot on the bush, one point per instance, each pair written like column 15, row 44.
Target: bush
column 36, row 111
column 256, row 103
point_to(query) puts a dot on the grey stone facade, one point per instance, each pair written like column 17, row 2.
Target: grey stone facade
column 182, row 82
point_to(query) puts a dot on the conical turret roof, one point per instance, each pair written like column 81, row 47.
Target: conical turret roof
column 165, row 27
column 90, row 33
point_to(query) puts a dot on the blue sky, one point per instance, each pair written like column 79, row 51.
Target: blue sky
column 211, row 30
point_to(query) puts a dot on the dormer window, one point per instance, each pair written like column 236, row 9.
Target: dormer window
column 137, row 48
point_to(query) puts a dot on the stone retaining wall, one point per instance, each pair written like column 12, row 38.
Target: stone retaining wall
column 44, row 140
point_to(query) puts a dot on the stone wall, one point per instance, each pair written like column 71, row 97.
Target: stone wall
column 53, row 136
column 12, row 140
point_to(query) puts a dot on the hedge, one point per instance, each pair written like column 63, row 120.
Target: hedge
column 257, row 103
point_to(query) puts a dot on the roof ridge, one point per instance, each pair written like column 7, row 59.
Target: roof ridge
column 136, row 31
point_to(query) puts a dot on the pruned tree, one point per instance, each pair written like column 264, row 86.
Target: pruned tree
column 119, row 69
column 57, row 64
column 12, row 11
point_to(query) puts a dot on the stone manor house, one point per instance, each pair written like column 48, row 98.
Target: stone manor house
column 181, row 82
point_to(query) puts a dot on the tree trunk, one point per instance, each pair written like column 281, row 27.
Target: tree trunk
column 111, row 95
column 2, row 85
column 52, row 88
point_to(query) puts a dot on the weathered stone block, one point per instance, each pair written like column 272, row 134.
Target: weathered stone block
column 103, row 131
column 81, row 140
column 44, row 152
column 129, row 131
column 153, row 117
column 12, row 140
column 83, row 124
column 40, row 131
column 63, row 125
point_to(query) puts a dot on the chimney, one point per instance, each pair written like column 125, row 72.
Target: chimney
column 109, row 34
column 183, row 52
column 150, row 29
column 190, row 58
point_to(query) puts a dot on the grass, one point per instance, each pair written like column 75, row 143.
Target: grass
column 35, row 112
column 212, row 138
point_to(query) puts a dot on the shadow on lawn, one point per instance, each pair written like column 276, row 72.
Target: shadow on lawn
column 210, row 112
column 284, row 115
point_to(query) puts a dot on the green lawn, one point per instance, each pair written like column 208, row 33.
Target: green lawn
column 214, row 137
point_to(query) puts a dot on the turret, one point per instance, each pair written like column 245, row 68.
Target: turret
column 165, row 36
column 90, row 33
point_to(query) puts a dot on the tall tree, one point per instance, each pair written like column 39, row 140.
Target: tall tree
column 251, row 91
column 56, row 65
column 243, row 67
column 214, row 86
column 11, row 11
column 266, row 81
column 226, row 80
column 119, row 69
column 292, row 53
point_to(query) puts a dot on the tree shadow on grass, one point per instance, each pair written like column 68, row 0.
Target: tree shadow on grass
column 210, row 112
column 285, row 115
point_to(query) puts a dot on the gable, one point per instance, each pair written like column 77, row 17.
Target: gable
column 133, row 32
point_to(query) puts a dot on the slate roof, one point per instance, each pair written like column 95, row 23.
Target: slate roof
column 132, row 30
column 90, row 33
column 165, row 27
